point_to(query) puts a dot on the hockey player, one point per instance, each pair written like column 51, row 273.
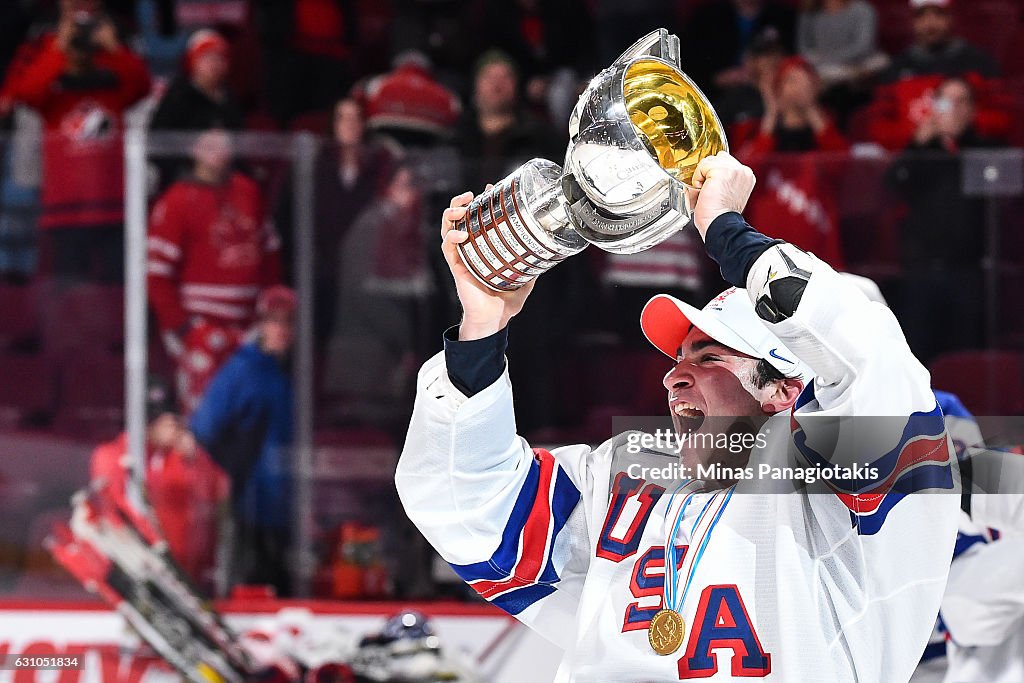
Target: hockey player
column 982, row 612
column 638, row 581
column 211, row 250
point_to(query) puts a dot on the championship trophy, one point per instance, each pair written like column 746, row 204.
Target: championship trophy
column 635, row 137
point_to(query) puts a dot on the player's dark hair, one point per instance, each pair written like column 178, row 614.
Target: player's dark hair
column 764, row 374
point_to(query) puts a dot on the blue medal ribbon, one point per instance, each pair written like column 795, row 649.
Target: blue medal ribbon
column 671, row 560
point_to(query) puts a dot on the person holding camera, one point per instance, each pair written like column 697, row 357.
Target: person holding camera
column 81, row 79
column 941, row 250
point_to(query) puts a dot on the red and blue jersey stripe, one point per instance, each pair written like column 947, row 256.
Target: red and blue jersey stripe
column 920, row 460
column 522, row 571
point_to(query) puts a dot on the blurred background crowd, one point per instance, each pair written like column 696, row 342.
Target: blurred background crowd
column 885, row 135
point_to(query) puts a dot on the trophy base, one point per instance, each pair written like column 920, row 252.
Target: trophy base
column 518, row 230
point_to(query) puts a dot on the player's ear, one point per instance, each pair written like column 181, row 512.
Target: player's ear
column 781, row 396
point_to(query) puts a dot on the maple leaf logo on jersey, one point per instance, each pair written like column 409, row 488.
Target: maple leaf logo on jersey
column 88, row 122
column 237, row 239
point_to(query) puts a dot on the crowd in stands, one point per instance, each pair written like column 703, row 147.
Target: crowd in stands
column 855, row 115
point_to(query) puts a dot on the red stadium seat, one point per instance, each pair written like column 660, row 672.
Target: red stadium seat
column 91, row 396
column 1011, row 307
column 28, row 389
column 19, row 316
column 989, row 23
column 1013, row 87
column 84, row 318
column 894, row 30
column 1013, row 57
column 316, row 122
column 988, row 382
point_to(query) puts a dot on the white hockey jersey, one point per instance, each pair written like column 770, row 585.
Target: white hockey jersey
column 983, row 608
column 802, row 586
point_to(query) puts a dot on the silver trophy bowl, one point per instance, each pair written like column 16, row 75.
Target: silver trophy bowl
column 635, row 137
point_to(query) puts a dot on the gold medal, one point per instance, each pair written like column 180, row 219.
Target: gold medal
column 666, row 631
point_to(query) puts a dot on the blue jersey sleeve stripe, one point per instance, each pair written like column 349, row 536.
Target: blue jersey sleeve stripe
column 966, row 541
column 566, row 497
column 919, row 425
column 515, row 601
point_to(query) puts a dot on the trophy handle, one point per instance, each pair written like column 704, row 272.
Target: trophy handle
column 658, row 43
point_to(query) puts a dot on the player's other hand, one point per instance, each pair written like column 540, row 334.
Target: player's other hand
column 720, row 184
column 484, row 311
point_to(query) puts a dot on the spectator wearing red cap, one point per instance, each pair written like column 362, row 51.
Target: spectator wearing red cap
column 245, row 422
column 796, row 189
column 905, row 94
column 199, row 98
column 210, row 251
column 941, row 252
column 81, row 79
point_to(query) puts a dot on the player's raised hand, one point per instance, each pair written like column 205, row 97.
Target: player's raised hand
column 721, row 184
column 484, row 311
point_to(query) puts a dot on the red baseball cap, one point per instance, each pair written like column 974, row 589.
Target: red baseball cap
column 276, row 299
column 203, row 41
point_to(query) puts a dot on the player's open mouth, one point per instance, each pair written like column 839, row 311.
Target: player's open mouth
column 688, row 414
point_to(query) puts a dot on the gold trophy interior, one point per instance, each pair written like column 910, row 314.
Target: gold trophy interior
column 672, row 117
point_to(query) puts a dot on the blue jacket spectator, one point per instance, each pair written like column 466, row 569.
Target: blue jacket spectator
column 245, row 422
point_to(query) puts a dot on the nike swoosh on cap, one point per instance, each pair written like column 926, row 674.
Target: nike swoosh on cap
column 774, row 354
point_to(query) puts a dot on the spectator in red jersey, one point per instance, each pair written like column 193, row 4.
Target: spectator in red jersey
column 672, row 267
column 186, row 488
column 906, row 91
column 797, row 191
column 350, row 175
column 81, row 79
column 942, row 252
column 408, row 104
column 211, row 251
column 793, row 120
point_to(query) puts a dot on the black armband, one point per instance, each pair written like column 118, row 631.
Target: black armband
column 735, row 245
column 476, row 364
